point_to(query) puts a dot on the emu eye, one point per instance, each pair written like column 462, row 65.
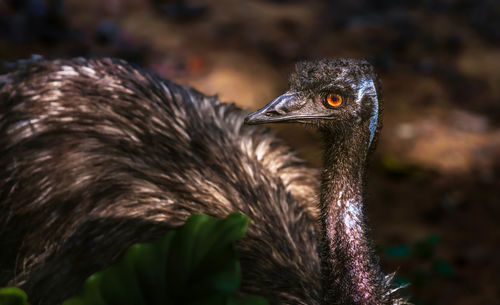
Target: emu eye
column 333, row 100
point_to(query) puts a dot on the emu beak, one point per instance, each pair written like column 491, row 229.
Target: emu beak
column 286, row 107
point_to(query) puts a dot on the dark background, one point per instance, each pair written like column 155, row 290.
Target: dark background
column 434, row 181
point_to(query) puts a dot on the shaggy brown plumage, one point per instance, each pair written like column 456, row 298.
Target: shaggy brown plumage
column 96, row 155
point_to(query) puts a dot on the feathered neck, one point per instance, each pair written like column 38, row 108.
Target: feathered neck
column 350, row 272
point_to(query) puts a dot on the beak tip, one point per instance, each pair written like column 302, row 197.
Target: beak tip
column 278, row 110
column 251, row 119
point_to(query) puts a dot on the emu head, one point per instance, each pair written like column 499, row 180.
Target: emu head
column 335, row 95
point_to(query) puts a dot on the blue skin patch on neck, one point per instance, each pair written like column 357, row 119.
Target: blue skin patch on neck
column 374, row 120
column 368, row 87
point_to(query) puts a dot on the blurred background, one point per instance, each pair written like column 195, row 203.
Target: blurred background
column 434, row 182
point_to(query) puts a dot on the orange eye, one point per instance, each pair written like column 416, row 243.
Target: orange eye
column 334, row 100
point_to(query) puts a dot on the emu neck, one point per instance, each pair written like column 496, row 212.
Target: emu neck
column 350, row 272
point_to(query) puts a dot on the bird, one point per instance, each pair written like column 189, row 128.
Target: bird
column 99, row 154
column 342, row 99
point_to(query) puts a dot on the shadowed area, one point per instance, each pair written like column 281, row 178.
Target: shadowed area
column 434, row 179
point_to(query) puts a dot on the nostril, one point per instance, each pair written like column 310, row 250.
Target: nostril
column 283, row 106
column 275, row 112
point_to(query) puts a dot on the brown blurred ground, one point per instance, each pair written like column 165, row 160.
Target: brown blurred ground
column 434, row 181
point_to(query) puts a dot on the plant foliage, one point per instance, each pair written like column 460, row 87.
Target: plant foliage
column 13, row 296
column 195, row 264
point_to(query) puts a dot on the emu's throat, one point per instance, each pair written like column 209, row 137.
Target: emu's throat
column 349, row 269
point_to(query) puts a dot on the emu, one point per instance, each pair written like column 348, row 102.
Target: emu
column 96, row 155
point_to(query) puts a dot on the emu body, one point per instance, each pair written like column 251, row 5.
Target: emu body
column 96, row 155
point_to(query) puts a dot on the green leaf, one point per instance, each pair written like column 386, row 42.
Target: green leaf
column 13, row 296
column 443, row 268
column 401, row 281
column 194, row 264
column 400, row 251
